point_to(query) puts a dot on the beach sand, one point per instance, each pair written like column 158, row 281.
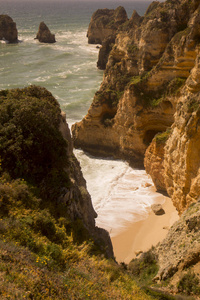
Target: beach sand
column 142, row 235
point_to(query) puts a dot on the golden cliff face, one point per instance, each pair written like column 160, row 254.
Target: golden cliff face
column 104, row 23
column 182, row 150
column 151, row 83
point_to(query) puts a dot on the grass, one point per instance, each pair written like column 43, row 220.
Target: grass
column 86, row 278
column 144, row 268
column 45, row 252
column 163, row 136
column 189, row 284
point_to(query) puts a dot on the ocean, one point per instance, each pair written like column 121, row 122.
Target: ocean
column 68, row 69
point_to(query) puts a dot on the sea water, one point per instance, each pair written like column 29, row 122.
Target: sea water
column 68, row 69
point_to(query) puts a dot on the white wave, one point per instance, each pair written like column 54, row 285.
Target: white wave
column 119, row 193
column 42, row 78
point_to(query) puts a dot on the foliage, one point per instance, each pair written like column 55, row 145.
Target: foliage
column 29, row 123
column 189, row 284
column 109, row 96
column 132, row 49
column 192, row 105
column 39, row 257
column 163, row 136
column 145, row 267
column 43, row 253
column 153, row 98
column 157, row 294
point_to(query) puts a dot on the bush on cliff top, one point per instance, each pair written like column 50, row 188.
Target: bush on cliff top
column 31, row 145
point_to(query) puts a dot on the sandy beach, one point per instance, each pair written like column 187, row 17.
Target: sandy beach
column 142, row 235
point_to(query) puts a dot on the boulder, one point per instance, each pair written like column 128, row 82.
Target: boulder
column 44, row 35
column 157, row 209
column 8, row 29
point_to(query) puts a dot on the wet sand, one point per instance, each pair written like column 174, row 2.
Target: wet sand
column 142, row 235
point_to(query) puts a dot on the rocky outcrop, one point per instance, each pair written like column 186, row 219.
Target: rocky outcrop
column 105, row 23
column 154, row 158
column 8, row 30
column 104, row 52
column 44, row 35
column 151, row 83
column 103, row 28
column 179, row 253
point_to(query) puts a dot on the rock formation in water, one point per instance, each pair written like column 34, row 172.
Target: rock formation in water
column 8, row 30
column 44, row 35
column 105, row 23
column 102, row 30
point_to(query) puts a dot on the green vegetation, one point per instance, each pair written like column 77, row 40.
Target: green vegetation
column 132, row 49
column 192, row 105
column 189, row 284
column 145, row 268
column 135, row 79
column 163, row 136
column 40, row 260
column 44, row 254
column 153, row 98
column 109, row 96
column 29, row 121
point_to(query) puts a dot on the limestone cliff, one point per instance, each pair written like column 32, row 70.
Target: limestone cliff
column 151, row 78
column 179, row 253
column 8, row 30
column 44, row 35
column 105, row 23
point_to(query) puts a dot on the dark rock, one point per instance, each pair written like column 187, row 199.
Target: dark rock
column 157, row 209
column 104, row 52
column 8, row 30
column 44, row 35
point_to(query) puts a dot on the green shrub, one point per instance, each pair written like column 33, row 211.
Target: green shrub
column 189, row 284
column 163, row 136
column 132, row 49
column 31, row 145
column 145, row 267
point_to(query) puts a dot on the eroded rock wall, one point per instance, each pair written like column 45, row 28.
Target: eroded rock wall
column 151, row 83
column 179, row 253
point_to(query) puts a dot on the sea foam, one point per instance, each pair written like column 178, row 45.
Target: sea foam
column 120, row 194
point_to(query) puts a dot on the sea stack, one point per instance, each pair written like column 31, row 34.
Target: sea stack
column 44, row 35
column 8, row 29
column 104, row 23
